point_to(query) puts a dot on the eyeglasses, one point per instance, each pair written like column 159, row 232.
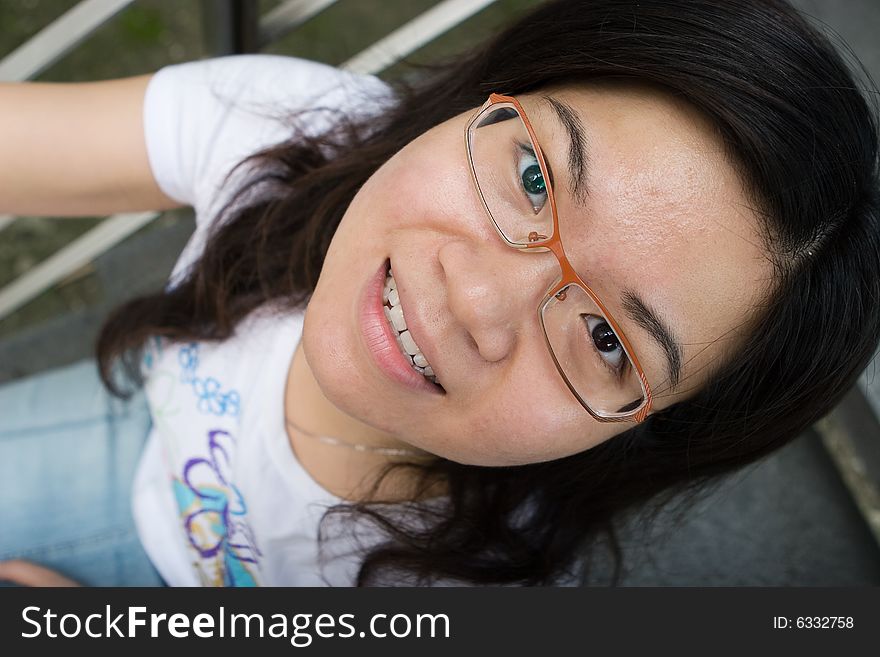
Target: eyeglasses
column 590, row 351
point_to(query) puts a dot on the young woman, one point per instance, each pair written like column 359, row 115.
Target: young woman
column 614, row 253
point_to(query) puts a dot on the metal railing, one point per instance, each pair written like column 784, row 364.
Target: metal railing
column 234, row 27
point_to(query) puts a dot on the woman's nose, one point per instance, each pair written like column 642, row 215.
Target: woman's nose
column 494, row 293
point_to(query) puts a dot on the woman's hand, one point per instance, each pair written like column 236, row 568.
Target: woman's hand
column 25, row 573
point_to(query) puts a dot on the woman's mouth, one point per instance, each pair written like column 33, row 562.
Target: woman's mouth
column 388, row 338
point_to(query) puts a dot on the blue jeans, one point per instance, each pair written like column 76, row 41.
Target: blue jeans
column 68, row 452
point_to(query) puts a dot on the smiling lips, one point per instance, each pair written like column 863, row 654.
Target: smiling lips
column 386, row 343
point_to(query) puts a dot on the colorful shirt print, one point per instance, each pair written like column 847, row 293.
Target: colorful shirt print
column 212, row 509
column 214, row 515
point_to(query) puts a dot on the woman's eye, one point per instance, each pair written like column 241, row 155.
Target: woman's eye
column 531, row 177
column 605, row 342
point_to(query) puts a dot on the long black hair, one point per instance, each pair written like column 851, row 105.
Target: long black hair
column 804, row 140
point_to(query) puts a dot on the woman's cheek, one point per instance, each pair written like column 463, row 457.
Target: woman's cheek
column 421, row 188
column 432, row 182
column 515, row 434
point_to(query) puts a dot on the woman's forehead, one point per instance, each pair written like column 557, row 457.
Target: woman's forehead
column 665, row 215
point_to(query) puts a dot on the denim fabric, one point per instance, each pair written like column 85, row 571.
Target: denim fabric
column 68, row 452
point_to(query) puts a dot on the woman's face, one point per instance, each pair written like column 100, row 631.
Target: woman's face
column 661, row 213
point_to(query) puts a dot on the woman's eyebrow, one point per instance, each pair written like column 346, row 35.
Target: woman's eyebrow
column 639, row 311
column 577, row 148
column 644, row 316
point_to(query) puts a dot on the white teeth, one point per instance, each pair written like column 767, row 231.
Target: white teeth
column 389, row 285
column 396, row 317
column 405, row 340
column 409, row 344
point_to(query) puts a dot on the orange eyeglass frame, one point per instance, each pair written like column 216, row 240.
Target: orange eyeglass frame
column 569, row 275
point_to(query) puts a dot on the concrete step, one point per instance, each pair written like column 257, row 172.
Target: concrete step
column 788, row 520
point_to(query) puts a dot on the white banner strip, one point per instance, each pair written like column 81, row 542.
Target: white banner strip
column 72, row 256
column 410, row 37
column 288, row 16
column 58, row 38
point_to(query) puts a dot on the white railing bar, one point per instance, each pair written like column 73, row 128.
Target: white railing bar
column 869, row 384
column 851, row 466
column 413, row 35
column 77, row 253
column 288, row 16
column 5, row 220
column 56, row 39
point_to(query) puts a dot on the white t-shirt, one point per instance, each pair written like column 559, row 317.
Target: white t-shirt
column 219, row 497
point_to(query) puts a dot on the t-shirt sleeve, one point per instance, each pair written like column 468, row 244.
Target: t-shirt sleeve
column 201, row 118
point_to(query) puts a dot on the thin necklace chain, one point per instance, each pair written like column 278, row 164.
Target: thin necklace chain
column 329, row 440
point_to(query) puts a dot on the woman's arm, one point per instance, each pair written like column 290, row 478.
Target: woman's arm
column 74, row 149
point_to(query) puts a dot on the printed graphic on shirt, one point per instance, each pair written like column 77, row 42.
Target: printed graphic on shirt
column 214, row 515
column 210, row 397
